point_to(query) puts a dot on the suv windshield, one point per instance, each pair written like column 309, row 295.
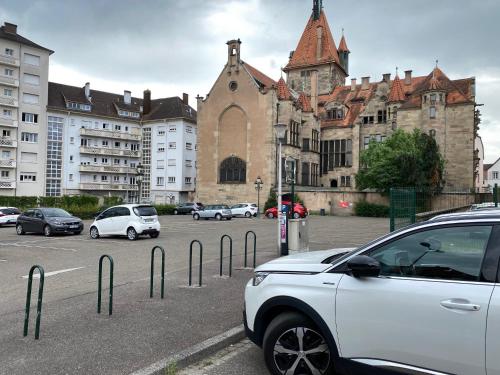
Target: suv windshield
column 55, row 212
column 145, row 211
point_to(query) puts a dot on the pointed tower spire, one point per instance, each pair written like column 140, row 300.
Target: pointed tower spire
column 397, row 93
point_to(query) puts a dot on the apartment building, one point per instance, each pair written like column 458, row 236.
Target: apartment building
column 24, row 68
column 97, row 139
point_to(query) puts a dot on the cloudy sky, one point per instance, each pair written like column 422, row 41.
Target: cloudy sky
column 173, row 47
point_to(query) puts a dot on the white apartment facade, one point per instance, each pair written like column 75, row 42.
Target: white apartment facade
column 24, row 68
column 492, row 174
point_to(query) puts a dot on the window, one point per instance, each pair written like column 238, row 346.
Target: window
column 9, row 51
column 314, row 174
column 189, row 163
column 6, row 133
column 161, row 132
column 4, row 174
column 71, row 158
column 433, row 99
column 71, row 177
column 29, row 137
column 187, row 180
column 335, row 154
column 189, row 129
column 104, row 178
column 118, row 127
column 104, row 160
column 171, row 162
column 105, row 144
column 443, row 253
column 31, row 118
column 30, row 98
column 105, row 126
column 160, row 181
column 432, row 112
column 382, row 117
column 117, row 144
column 171, row 180
column 172, row 129
column 5, row 155
column 31, row 79
column 294, row 133
column 31, row 59
column 315, row 141
column 116, row 179
column 189, row 146
column 305, row 144
column 345, row 181
column 160, row 164
column 129, row 114
column 172, row 145
column 7, row 92
column 335, row 114
column 232, row 170
column 161, row 147
column 27, row 177
column 8, row 72
column 368, row 120
column 305, row 174
column 7, row 113
column 116, row 161
column 495, row 175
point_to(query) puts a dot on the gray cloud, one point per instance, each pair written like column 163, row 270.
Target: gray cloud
column 180, row 44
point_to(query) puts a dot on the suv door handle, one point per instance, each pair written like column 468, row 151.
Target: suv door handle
column 463, row 305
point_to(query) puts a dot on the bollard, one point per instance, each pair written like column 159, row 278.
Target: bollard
column 162, row 288
column 39, row 304
column 111, row 266
column 254, row 247
column 191, row 261
column 230, row 254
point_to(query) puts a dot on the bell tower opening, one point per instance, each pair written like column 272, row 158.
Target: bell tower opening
column 233, row 52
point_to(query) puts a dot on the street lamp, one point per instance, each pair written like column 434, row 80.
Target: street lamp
column 291, row 169
column 280, row 135
column 139, row 176
column 258, row 186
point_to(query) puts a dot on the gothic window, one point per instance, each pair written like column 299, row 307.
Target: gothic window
column 232, row 171
column 382, row 117
column 432, row 112
column 294, row 133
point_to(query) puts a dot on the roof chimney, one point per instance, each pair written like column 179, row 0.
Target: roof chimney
column 365, row 83
column 353, row 84
column 10, row 28
column 386, row 77
column 146, row 104
column 408, row 77
column 185, row 99
column 87, row 90
column 127, row 97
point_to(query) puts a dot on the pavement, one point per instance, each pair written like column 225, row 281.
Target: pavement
column 75, row 339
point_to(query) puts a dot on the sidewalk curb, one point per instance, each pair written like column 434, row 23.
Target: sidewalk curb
column 196, row 352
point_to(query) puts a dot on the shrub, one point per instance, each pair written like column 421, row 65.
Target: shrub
column 83, row 212
column 112, row 201
column 165, row 209
column 371, row 210
column 19, row 202
column 272, row 200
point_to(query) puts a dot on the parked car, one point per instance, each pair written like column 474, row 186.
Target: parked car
column 216, row 211
column 244, row 209
column 299, row 211
column 8, row 215
column 48, row 221
column 131, row 220
column 420, row 300
column 187, row 208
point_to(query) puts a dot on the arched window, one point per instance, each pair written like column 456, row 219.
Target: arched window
column 232, row 170
column 334, row 183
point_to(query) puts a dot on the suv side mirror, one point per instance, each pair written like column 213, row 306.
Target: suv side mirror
column 364, row 266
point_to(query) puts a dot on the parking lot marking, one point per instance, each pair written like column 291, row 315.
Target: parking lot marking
column 37, row 275
column 3, row 260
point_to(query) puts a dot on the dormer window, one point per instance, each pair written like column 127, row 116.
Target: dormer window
column 128, row 114
column 335, row 114
column 433, row 99
column 78, row 106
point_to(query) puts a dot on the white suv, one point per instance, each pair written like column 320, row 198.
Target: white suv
column 421, row 300
column 129, row 220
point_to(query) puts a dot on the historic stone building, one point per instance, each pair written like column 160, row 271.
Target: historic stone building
column 330, row 123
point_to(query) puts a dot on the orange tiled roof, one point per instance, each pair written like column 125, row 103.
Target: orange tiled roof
column 305, row 103
column 283, row 91
column 305, row 53
column 261, row 79
column 343, row 45
column 397, row 93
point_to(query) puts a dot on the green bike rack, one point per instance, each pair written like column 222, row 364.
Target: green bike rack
column 152, row 271
column 39, row 304
column 191, row 262
column 111, row 266
column 254, row 247
column 230, row 254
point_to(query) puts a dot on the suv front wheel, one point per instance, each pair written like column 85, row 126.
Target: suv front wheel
column 294, row 345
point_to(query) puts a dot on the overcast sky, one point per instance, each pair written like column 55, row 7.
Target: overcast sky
column 173, row 47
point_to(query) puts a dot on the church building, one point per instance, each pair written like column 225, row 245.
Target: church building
column 329, row 122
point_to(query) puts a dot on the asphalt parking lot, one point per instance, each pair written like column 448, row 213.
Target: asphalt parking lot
column 141, row 331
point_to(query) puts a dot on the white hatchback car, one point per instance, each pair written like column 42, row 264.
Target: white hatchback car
column 244, row 209
column 8, row 215
column 422, row 300
column 131, row 220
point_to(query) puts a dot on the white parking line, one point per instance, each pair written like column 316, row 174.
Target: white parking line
column 3, row 260
column 37, row 275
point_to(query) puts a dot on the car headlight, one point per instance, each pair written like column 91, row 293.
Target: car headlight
column 259, row 277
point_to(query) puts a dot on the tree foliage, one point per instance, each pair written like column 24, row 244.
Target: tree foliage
column 402, row 160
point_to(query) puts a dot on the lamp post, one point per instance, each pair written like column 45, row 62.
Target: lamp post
column 258, row 186
column 280, row 135
column 139, row 175
column 291, row 169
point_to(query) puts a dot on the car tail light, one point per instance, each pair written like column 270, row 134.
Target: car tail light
column 2, row 214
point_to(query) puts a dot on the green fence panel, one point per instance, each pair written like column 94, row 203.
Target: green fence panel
column 403, row 208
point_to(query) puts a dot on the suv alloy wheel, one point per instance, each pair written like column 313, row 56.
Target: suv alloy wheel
column 132, row 234
column 218, row 216
column 248, row 214
column 94, row 233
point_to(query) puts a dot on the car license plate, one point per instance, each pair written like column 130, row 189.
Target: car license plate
column 73, row 226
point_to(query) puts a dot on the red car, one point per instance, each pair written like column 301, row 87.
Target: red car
column 299, row 211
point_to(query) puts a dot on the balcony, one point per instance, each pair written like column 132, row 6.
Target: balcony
column 134, row 136
column 7, row 142
column 109, row 151
column 7, row 121
column 9, row 60
column 7, row 184
column 107, row 169
column 9, row 81
column 107, row 187
column 8, row 101
column 7, row 163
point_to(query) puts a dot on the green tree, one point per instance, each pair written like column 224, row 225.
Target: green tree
column 402, row 160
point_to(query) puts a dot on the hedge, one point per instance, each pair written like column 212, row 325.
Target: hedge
column 366, row 209
column 165, row 209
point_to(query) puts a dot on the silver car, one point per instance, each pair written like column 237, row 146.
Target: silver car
column 216, row 211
